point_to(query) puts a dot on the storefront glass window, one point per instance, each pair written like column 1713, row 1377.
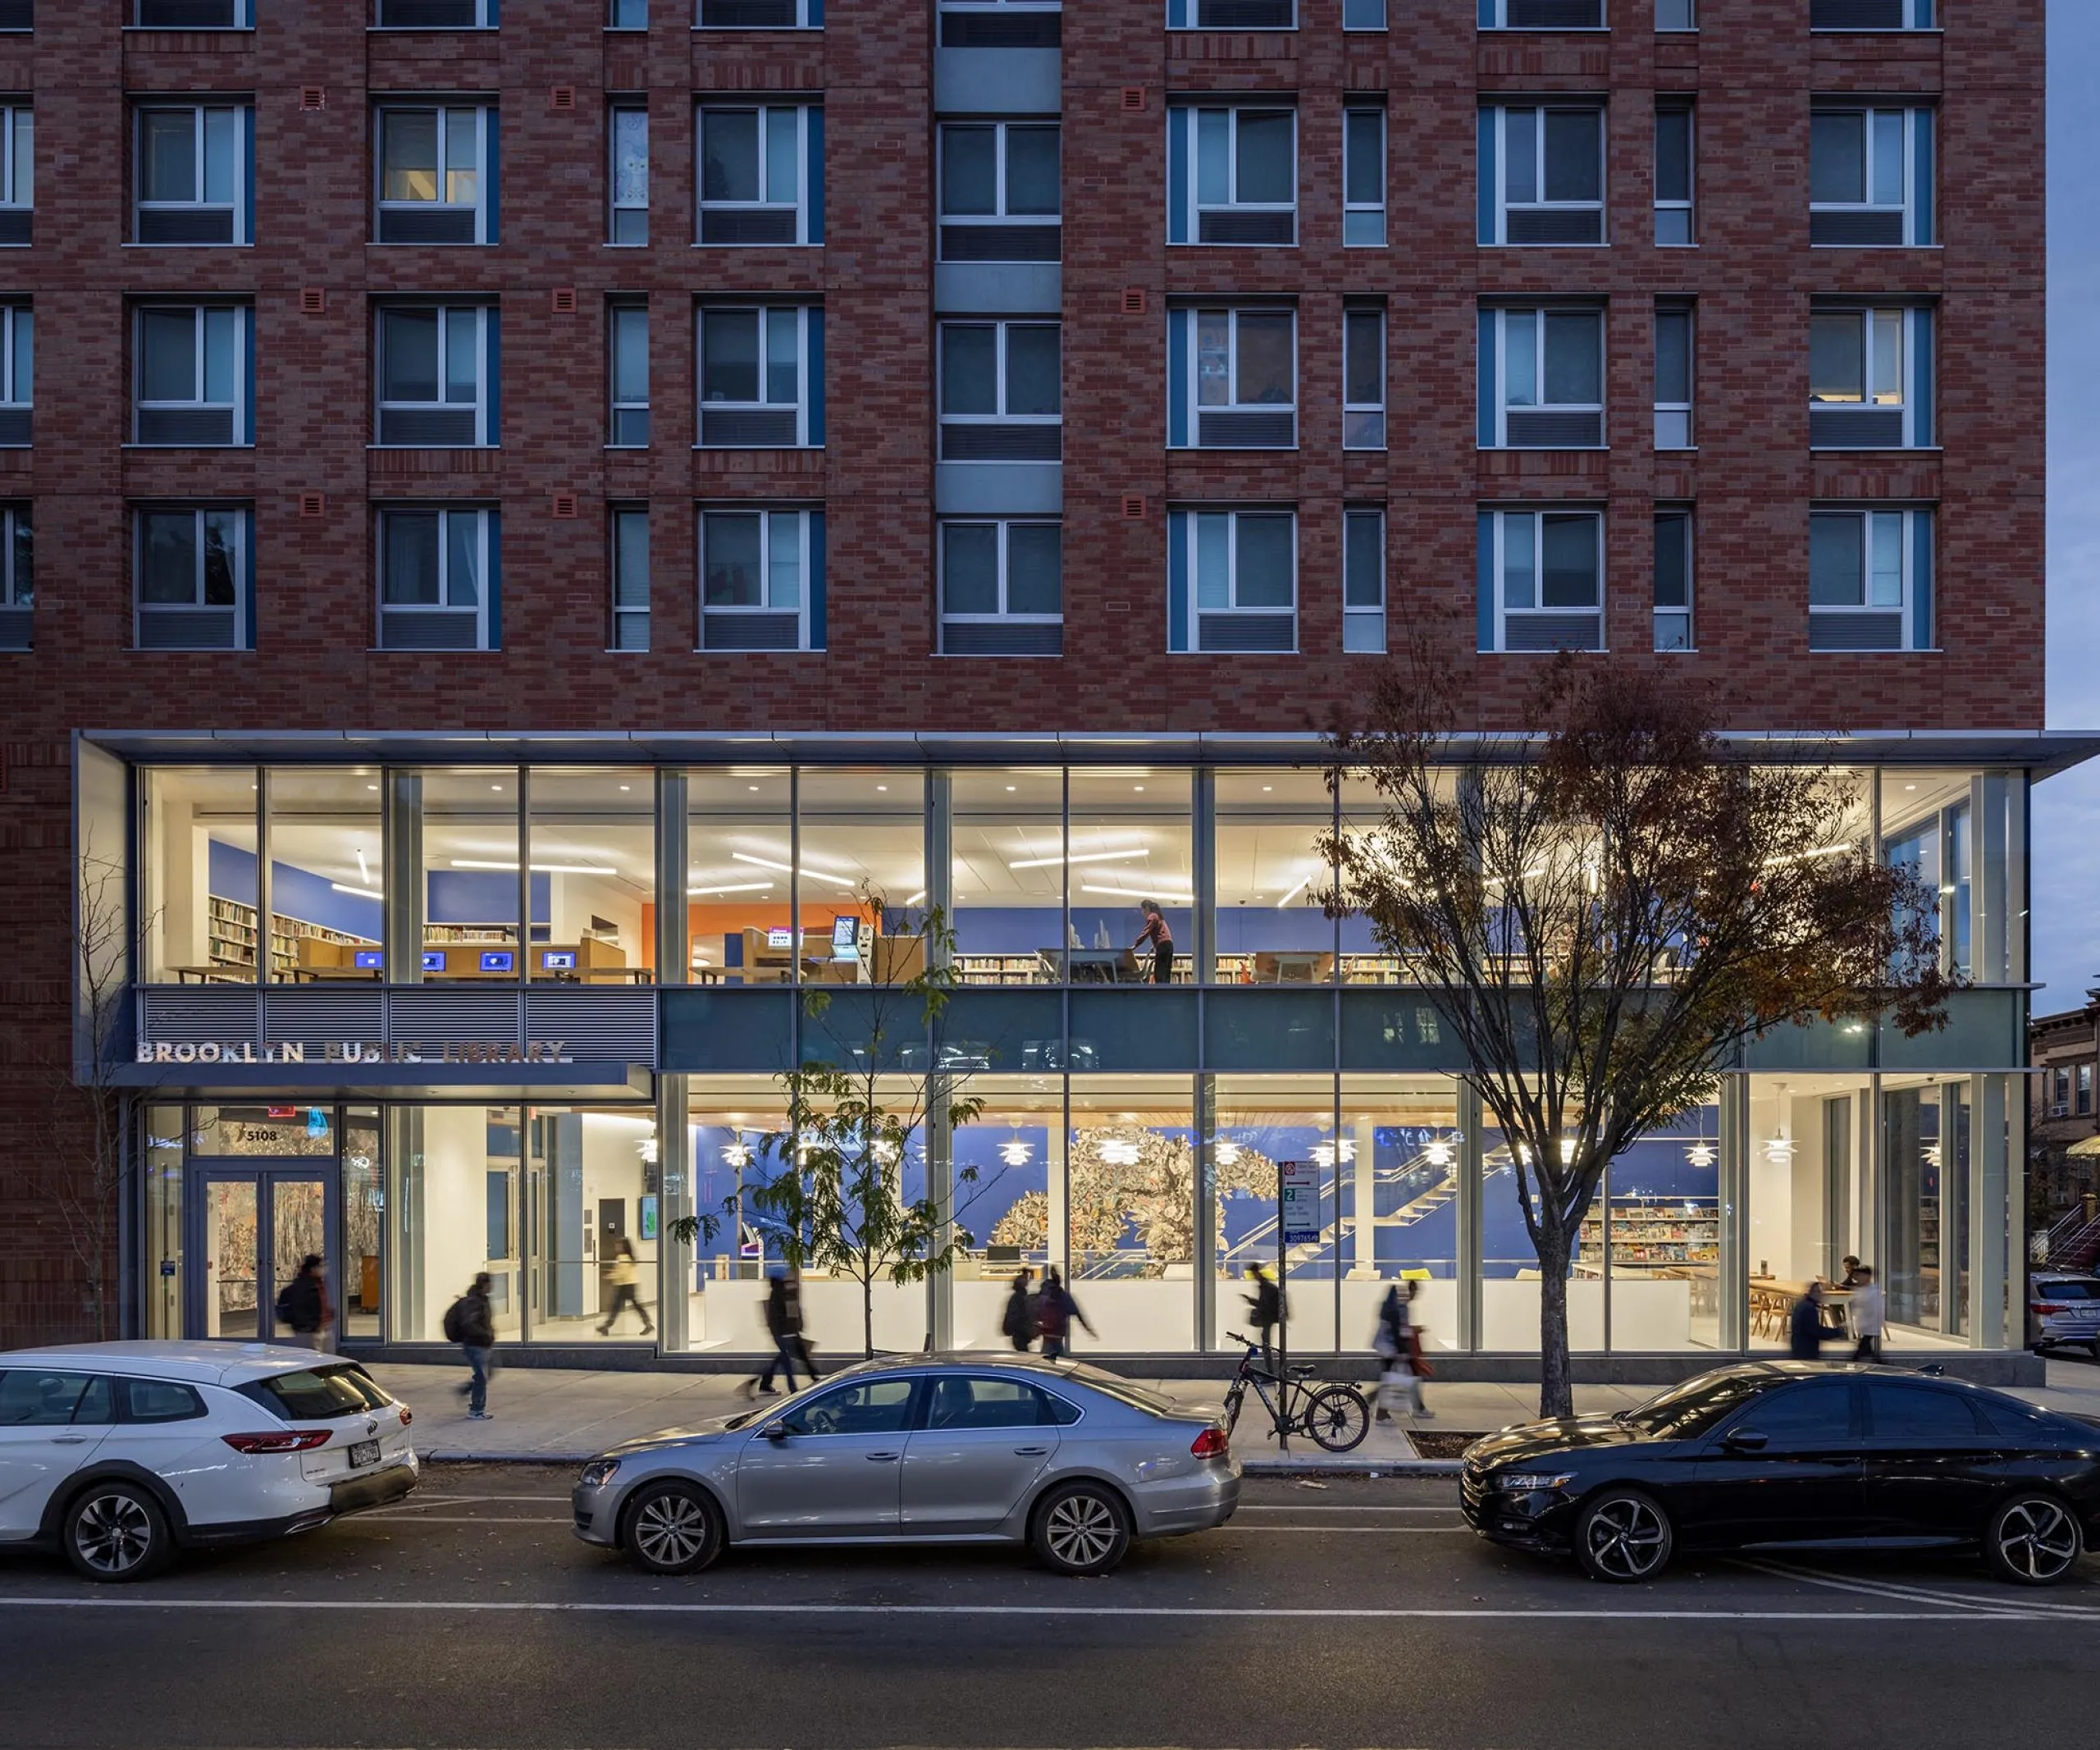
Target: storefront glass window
column 1926, row 828
column 471, row 899
column 163, row 1251
column 738, row 916
column 592, row 833
column 1398, row 1203
column 1008, row 876
column 731, row 1118
column 1272, row 927
column 1509, row 1264
column 454, row 1212
column 1263, row 1120
column 364, row 1200
column 1011, row 1217
column 1364, row 960
column 1131, row 1166
column 863, row 857
column 266, row 1131
column 1130, row 843
column 1925, row 1146
column 591, row 1217
column 200, row 890
column 328, row 872
column 1663, row 1194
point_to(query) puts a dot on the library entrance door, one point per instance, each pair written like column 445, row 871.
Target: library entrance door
column 251, row 1227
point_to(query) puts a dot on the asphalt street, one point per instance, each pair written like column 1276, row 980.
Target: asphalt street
column 1342, row 1613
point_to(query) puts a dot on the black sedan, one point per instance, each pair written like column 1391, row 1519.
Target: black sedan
column 1790, row 1453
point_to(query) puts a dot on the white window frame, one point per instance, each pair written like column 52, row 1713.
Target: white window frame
column 1919, row 135
column 627, row 221
column 239, row 409
column 1673, row 426
column 1670, row 616
column 1004, row 615
column 1363, row 614
column 1503, row 613
column 1915, row 370
column 485, row 404
column 243, row 18
column 805, row 370
column 1364, row 223
column 446, row 111
column 485, row 539
column 1195, row 15
column 999, row 219
column 1363, row 422
column 808, row 228
column 1049, row 427
column 760, row 15
column 1497, row 205
column 486, row 17
column 629, row 609
column 1669, row 209
column 1910, row 524
column 618, row 314
column 808, row 525
column 1232, row 609
column 1193, row 208
column 1917, row 15
column 17, row 372
column 17, row 172
column 1185, row 325
column 1495, row 15
column 196, row 608
column 1504, row 339
column 236, row 207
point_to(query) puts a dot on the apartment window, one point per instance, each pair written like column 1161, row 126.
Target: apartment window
column 1673, row 173
column 194, row 578
column 193, row 368
column 1673, row 355
column 1541, row 379
column 1871, row 14
column 762, row 377
column 630, row 569
column 437, row 15
column 1870, row 177
column 761, row 579
column 1541, row 580
column 18, row 373
column 1231, row 15
column 1363, row 15
column 437, row 377
column 1542, row 15
column 628, row 15
column 627, row 337
column 195, row 15
column 1363, row 176
column 1232, row 174
column 1677, row 15
column 439, row 580
column 762, row 174
column 1000, row 392
column 2084, row 1089
column 1231, row 378
column 1541, row 173
column 1001, row 24
column 1363, row 582
column 193, row 174
column 1871, row 379
column 436, row 173
column 17, row 579
column 17, row 15
column 1674, row 579
column 999, row 191
column 1869, row 580
column 630, row 177
column 1232, row 581
column 761, row 14
column 1001, row 588
column 17, row 187
column 2060, row 1102
column 1363, row 377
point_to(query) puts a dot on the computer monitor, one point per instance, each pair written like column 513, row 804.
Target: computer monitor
column 433, row 960
column 369, row 959
column 498, row 960
column 845, row 937
column 558, row 960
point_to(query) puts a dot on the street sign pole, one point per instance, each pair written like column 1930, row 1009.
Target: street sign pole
column 1297, row 1223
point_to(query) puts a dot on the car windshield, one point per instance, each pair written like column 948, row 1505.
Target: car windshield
column 1696, row 1404
column 318, row 1393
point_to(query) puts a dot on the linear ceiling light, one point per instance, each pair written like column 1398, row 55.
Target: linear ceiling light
column 767, row 862
column 1141, row 892
column 472, row 863
column 733, row 887
column 1080, row 857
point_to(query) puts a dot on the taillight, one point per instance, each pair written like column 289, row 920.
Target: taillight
column 291, row 1439
column 2046, row 1307
column 407, row 1415
column 1209, row 1444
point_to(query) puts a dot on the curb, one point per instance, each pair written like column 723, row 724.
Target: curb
column 1340, row 1465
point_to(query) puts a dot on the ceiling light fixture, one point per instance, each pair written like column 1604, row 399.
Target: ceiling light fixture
column 363, row 892
column 1080, row 857
column 767, row 862
column 732, row 887
column 1303, row 880
column 1701, row 1153
column 364, row 870
column 1437, row 1152
column 917, row 898
column 1016, row 1153
column 1139, row 892
column 589, row 869
column 1226, row 1153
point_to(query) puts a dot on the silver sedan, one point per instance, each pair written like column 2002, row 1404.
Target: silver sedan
column 1071, row 1461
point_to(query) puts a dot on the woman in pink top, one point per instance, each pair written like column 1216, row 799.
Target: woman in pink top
column 1162, row 939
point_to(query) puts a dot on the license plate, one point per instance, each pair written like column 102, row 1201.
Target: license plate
column 363, row 1453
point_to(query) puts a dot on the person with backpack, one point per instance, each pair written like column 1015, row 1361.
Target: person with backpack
column 1019, row 1323
column 470, row 1323
column 1265, row 1307
column 304, row 1307
column 1055, row 1311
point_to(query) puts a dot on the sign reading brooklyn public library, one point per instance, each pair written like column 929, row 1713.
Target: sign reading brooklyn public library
column 359, row 1051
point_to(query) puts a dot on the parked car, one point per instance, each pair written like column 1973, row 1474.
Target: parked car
column 120, row 1454
column 1795, row 1453
column 1071, row 1461
column 2063, row 1308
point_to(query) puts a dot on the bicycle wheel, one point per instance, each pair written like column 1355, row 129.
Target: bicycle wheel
column 1337, row 1418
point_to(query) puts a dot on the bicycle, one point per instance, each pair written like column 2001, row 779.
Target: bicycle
column 1334, row 1415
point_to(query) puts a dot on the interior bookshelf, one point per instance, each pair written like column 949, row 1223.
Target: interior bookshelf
column 1655, row 1232
column 231, row 931
column 999, row 969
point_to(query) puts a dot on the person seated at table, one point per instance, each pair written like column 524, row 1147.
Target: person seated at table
column 1161, row 939
column 1851, row 1279
column 1808, row 1333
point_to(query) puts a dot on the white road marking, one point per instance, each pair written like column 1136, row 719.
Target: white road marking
column 1248, row 1507
column 1905, row 1592
column 464, row 1518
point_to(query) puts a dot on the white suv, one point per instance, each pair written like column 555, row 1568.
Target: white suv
column 122, row 1453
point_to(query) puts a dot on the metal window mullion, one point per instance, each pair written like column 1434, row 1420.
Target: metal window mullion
column 265, row 900
column 523, row 774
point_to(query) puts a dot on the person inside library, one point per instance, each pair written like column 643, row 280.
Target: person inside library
column 1162, row 939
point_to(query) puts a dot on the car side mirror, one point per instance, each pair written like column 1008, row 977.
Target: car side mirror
column 1745, row 1440
column 773, row 1431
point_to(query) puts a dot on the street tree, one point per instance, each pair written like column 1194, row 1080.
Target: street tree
column 1605, row 904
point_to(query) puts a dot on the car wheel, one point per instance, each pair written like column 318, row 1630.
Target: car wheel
column 116, row 1531
column 1081, row 1529
column 672, row 1527
column 2034, row 1540
column 1623, row 1536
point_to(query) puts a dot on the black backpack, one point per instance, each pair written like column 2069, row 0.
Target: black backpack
column 455, row 1321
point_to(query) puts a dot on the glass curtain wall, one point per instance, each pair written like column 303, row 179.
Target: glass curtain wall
column 1398, row 1203
column 1928, row 827
column 1011, row 1217
column 200, row 894
column 1655, row 1234
column 861, row 857
column 363, row 1218
column 1130, row 843
column 327, row 873
column 472, row 897
column 1272, row 927
column 1131, row 1165
column 1263, row 1121
column 731, row 1118
column 1926, row 1140
column 592, row 833
column 1007, row 879
column 739, row 868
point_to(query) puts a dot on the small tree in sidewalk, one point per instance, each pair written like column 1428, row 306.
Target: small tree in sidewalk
column 1605, row 904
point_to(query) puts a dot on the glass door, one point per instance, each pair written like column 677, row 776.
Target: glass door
column 250, row 1229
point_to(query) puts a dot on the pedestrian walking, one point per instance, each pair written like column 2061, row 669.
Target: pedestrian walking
column 1054, row 1315
column 1869, row 1316
column 1019, row 1323
column 1398, row 1340
column 783, row 1324
column 304, row 1307
column 470, row 1323
column 622, row 1278
column 1807, row 1330
column 1265, row 1307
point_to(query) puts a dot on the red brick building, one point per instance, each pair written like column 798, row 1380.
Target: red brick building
column 1276, row 337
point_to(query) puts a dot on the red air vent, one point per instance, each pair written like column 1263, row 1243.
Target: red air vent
column 565, row 506
column 313, row 300
column 1134, row 300
column 1134, row 508
column 313, row 97
column 1134, row 97
column 564, row 300
column 562, row 100
column 313, row 503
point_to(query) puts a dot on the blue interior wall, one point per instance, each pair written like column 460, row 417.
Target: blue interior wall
column 455, row 895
